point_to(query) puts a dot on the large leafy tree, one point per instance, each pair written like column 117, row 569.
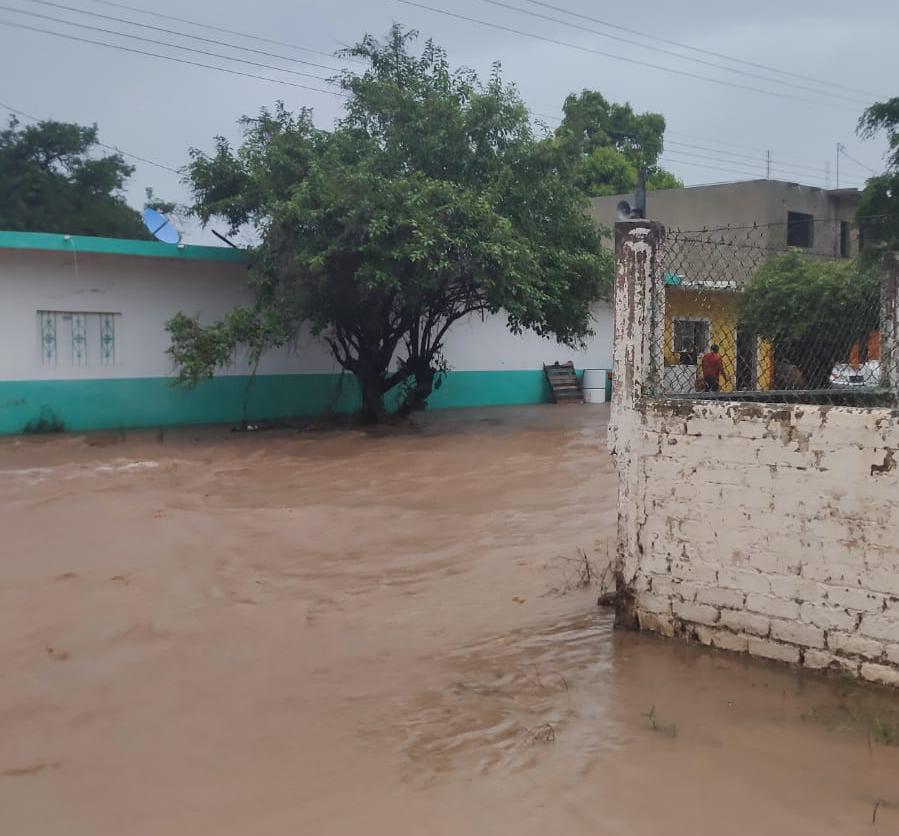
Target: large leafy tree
column 812, row 311
column 52, row 180
column 430, row 201
column 611, row 143
column 878, row 210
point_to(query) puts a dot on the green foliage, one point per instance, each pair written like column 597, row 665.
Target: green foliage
column 54, row 182
column 611, row 143
column 430, row 201
column 166, row 207
column 883, row 116
column 878, row 209
column 812, row 311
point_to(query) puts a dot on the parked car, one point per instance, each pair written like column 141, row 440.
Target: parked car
column 845, row 376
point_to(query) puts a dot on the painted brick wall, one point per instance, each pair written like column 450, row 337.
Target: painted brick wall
column 770, row 529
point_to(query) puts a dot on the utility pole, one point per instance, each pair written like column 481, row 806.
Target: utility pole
column 768, row 161
column 839, row 151
column 826, row 174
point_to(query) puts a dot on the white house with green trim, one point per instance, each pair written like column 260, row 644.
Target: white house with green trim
column 83, row 343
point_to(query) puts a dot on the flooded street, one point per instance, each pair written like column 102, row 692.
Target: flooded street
column 390, row 632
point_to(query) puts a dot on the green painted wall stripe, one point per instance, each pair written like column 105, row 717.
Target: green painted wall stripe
column 118, row 246
column 149, row 402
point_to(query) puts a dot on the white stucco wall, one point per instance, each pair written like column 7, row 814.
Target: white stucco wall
column 147, row 292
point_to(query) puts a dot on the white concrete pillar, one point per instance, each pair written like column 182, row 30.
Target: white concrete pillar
column 637, row 355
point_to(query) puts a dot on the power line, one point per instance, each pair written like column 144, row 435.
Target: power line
column 780, row 164
column 777, row 170
column 33, row 118
column 174, row 32
column 703, row 51
column 212, row 28
column 168, row 58
column 853, row 160
column 736, row 167
column 750, row 174
column 558, row 42
column 670, row 52
column 161, row 43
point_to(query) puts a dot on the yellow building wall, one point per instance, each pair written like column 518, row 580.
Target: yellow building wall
column 719, row 307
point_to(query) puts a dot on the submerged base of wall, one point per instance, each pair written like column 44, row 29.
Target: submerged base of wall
column 32, row 405
column 768, row 529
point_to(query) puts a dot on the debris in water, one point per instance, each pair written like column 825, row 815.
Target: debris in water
column 541, row 734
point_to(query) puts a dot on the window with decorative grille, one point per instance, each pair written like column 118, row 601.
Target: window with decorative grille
column 78, row 338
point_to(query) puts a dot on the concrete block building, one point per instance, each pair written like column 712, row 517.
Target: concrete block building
column 83, row 343
column 756, row 218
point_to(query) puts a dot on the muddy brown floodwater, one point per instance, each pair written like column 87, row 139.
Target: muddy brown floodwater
column 338, row 632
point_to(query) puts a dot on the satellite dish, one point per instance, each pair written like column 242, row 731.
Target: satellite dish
column 160, row 228
column 623, row 210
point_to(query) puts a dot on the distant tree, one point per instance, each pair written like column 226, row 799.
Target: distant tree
column 52, row 180
column 812, row 311
column 878, row 209
column 430, row 201
column 611, row 144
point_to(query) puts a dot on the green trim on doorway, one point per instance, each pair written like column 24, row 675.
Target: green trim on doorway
column 153, row 401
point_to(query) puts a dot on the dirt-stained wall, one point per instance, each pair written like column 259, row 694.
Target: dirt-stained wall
column 772, row 530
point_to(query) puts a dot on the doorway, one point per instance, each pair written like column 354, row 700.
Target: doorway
column 747, row 361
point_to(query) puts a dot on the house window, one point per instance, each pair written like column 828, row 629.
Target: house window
column 77, row 338
column 844, row 239
column 800, row 229
column 690, row 337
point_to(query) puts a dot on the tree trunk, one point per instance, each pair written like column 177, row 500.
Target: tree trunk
column 420, row 389
column 371, row 387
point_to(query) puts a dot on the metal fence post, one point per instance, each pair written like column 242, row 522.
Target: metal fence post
column 636, row 368
column 889, row 322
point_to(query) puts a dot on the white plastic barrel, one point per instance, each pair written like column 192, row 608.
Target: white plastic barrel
column 594, row 379
column 594, row 385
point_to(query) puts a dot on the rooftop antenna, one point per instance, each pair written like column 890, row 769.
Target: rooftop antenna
column 160, row 227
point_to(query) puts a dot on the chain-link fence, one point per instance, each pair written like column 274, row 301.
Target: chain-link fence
column 773, row 313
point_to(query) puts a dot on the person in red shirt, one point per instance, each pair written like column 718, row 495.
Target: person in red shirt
column 712, row 364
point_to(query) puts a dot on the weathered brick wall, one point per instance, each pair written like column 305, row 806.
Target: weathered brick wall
column 764, row 528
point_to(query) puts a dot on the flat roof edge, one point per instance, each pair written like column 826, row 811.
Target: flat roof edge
column 58, row 242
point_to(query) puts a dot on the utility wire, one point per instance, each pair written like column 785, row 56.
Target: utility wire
column 853, row 160
column 663, row 68
column 168, row 44
column 751, row 174
column 761, row 163
column 177, row 33
column 673, row 162
column 210, row 27
column 717, row 66
column 115, row 148
column 16, row 25
column 703, row 51
column 783, row 166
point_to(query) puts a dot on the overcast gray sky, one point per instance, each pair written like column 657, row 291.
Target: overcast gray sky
column 157, row 108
